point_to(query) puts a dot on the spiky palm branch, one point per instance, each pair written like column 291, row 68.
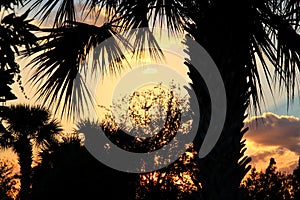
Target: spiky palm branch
column 61, row 50
column 15, row 33
column 22, row 127
column 11, row 4
column 238, row 35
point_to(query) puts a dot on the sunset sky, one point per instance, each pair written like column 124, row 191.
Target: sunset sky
column 273, row 133
column 278, row 136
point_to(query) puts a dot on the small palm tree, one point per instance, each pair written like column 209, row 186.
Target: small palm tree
column 22, row 127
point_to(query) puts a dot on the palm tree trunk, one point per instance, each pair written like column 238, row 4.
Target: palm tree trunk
column 24, row 151
column 226, row 40
column 220, row 171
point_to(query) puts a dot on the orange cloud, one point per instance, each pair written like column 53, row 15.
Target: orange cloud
column 271, row 135
column 273, row 130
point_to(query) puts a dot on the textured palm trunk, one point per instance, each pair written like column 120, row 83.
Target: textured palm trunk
column 220, row 171
column 225, row 38
column 24, row 152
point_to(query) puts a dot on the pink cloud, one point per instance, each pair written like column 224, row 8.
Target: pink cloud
column 273, row 130
column 271, row 135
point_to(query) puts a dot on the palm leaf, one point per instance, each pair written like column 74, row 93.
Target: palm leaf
column 134, row 14
column 143, row 41
column 16, row 31
column 65, row 10
column 60, row 60
column 18, row 117
column 95, row 8
column 46, row 134
column 10, row 4
column 170, row 13
column 277, row 37
column 6, row 139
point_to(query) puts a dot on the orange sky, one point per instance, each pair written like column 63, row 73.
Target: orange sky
column 280, row 140
column 262, row 143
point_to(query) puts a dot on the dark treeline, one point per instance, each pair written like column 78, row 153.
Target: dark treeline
column 68, row 171
column 56, row 165
column 64, row 169
column 271, row 184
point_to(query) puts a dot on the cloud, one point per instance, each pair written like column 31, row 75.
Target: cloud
column 273, row 136
column 290, row 166
column 273, row 130
column 265, row 155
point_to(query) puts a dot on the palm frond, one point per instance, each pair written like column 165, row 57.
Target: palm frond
column 71, row 139
column 134, row 14
column 277, row 37
column 165, row 14
column 143, row 41
column 64, row 10
column 169, row 13
column 19, row 116
column 30, row 122
column 94, row 9
column 46, row 134
column 6, row 139
column 82, row 99
column 64, row 52
column 17, row 31
column 10, row 4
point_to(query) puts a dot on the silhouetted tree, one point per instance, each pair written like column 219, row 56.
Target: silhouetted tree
column 25, row 126
column 296, row 182
column 178, row 180
column 268, row 185
column 67, row 171
column 8, row 182
column 240, row 36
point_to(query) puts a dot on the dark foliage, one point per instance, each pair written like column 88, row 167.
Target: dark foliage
column 271, row 184
column 68, row 171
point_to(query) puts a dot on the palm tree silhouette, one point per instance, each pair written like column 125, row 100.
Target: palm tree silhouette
column 238, row 36
column 25, row 126
column 259, row 32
